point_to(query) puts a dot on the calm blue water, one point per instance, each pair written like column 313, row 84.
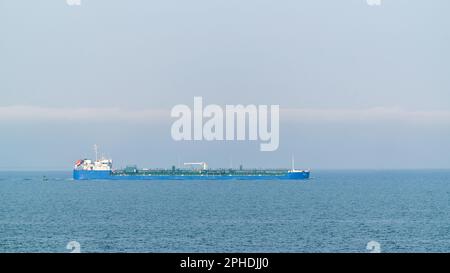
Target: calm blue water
column 336, row 211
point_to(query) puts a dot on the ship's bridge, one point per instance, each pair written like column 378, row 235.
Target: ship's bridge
column 97, row 165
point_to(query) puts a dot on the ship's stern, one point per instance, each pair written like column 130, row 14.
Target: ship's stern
column 91, row 175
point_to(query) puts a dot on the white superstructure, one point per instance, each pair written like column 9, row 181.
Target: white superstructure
column 102, row 164
column 203, row 165
column 97, row 165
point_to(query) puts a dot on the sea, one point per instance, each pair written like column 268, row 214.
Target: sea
column 335, row 211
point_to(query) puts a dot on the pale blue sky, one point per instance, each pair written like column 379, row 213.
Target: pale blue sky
column 329, row 60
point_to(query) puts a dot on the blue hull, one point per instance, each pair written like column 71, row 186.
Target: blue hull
column 108, row 175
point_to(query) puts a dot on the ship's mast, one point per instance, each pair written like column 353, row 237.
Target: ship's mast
column 96, row 152
column 293, row 162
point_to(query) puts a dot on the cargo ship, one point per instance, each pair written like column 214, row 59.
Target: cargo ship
column 86, row 169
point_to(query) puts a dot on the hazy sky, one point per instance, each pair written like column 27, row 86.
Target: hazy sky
column 359, row 86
